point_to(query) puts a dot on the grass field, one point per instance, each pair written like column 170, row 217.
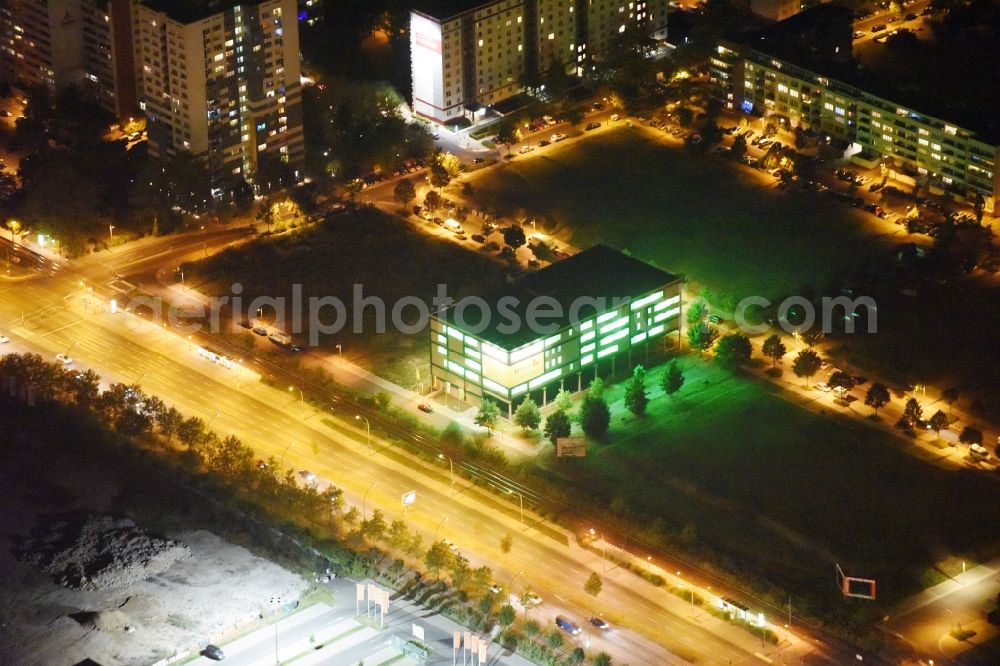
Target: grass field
column 386, row 256
column 726, row 228
column 782, row 493
column 719, row 226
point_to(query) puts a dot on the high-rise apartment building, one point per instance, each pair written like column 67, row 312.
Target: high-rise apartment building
column 221, row 80
column 42, row 42
column 108, row 54
column 801, row 70
column 61, row 43
column 478, row 53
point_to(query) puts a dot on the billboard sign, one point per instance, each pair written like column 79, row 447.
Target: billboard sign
column 571, row 447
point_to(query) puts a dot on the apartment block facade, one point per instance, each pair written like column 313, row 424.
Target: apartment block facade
column 221, row 80
column 468, row 53
column 959, row 160
column 62, row 43
column 611, row 306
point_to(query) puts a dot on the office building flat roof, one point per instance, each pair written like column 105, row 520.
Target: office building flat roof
column 597, row 274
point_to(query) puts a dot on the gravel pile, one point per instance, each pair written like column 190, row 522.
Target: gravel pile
column 92, row 552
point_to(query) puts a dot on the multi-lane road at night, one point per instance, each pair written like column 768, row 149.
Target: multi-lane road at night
column 54, row 311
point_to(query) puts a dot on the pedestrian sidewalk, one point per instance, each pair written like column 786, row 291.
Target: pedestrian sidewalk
column 25, row 241
column 953, row 584
column 943, row 448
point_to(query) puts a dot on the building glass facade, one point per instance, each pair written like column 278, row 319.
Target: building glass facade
column 475, row 365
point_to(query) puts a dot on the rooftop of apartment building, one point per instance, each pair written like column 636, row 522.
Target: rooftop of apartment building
column 600, row 272
column 446, row 9
column 947, row 72
column 189, row 11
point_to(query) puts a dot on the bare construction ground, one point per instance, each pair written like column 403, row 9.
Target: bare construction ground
column 112, row 588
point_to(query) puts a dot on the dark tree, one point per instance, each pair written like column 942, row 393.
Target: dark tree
column 506, row 133
column 733, row 350
column 557, row 425
column 774, row 349
column 842, row 379
column 593, row 585
column 404, row 192
column 439, row 176
column 636, row 399
column 438, row 557
column 375, row 527
column 877, row 396
column 912, row 412
column 513, row 236
column 971, row 435
column 938, row 422
column 527, row 415
column 488, row 415
column 672, row 380
column 701, row 336
column 950, row 395
column 806, row 364
column 739, row 148
column 507, row 615
column 594, row 416
column 432, row 201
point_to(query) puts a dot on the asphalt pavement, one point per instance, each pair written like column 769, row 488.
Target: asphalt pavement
column 59, row 317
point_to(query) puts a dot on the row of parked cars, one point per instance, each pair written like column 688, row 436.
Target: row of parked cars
column 408, row 166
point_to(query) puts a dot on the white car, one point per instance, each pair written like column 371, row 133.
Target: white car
column 308, row 476
column 4, row 339
column 451, row 546
column 557, row 137
column 823, row 386
column 533, row 599
column 978, row 452
column 495, row 588
column 526, row 149
column 64, row 359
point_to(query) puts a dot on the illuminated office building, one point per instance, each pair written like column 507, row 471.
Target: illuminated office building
column 612, row 308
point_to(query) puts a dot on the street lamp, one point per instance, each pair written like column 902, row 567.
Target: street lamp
column 443, row 521
column 451, row 468
column 209, row 424
column 15, row 227
column 368, row 430
column 604, row 552
column 510, row 583
column 521, row 500
column 340, row 354
column 282, row 463
column 302, row 403
column 111, row 232
column 364, row 502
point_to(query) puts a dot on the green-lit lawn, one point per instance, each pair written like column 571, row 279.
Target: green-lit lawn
column 785, row 492
column 728, row 228
column 719, row 225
